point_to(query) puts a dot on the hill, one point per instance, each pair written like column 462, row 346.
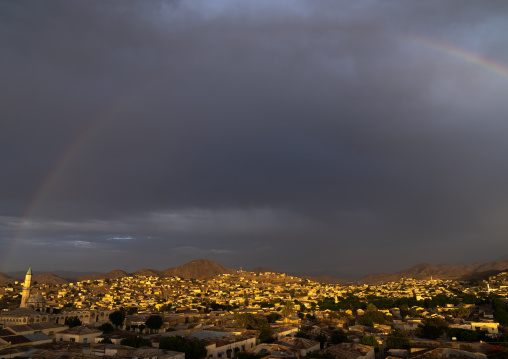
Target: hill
column 440, row 271
column 47, row 278
column 199, row 268
column 147, row 272
column 4, row 278
column 113, row 274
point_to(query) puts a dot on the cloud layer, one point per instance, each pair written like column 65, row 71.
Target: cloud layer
column 308, row 137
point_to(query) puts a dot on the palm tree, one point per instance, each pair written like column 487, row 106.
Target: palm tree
column 289, row 309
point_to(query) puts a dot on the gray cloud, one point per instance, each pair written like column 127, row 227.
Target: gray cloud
column 295, row 135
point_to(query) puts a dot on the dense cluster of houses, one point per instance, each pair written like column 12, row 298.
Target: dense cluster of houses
column 207, row 309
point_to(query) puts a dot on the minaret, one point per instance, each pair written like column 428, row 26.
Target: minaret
column 27, row 286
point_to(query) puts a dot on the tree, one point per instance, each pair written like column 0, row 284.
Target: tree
column 273, row 317
column 167, row 307
column 132, row 310
column 321, row 338
column 154, row 322
column 288, row 309
column 116, row 318
column 500, row 311
column 397, row 339
column 432, row 328
column 365, row 320
column 106, row 341
column 248, row 321
column 266, row 336
column 338, row 336
column 194, row 349
column 370, row 340
column 462, row 311
column 73, row 322
column 466, row 335
column 136, row 342
column 106, row 328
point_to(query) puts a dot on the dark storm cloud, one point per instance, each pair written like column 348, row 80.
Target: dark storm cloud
column 250, row 132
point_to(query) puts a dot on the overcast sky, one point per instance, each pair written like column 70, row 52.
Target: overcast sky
column 338, row 137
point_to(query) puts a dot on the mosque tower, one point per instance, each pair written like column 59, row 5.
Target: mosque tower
column 27, row 286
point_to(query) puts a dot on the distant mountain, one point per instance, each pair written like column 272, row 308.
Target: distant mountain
column 47, row 278
column 71, row 274
column 110, row 275
column 147, row 272
column 58, row 273
column 200, row 268
column 4, row 278
column 441, row 271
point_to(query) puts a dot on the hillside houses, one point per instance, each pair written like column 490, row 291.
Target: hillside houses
column 189, row 306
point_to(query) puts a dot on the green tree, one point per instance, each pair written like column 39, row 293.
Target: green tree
column 136, row 342
column 72, row 322
column 500, row 311
column 432, row 328
column 107, row 328
column 167, row 307
column 132, row 310
column 273, row 317
column 465, row 335
column 321, row 338
column 370, row 340
column 397, row 339
column 154, row 322
column 248, row 321
column 116, row 318
column 365, row 320
column 194, row 349
column 106, row 341
column 462, row 311
column 266, row 336
column 288, row 309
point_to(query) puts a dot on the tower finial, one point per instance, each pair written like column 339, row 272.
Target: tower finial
column 29, row 271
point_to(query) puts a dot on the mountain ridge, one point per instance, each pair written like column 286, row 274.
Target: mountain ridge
column 202, row 268
column 439, row 271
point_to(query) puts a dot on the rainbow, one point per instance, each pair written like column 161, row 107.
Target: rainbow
column 95, row 125
column 65, row 158
column 458, row 52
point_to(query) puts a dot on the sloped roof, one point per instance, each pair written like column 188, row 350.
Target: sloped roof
column 298, row 343
column 16, row 339
column 81, row 330
column 35, row 337
column 5, row 332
